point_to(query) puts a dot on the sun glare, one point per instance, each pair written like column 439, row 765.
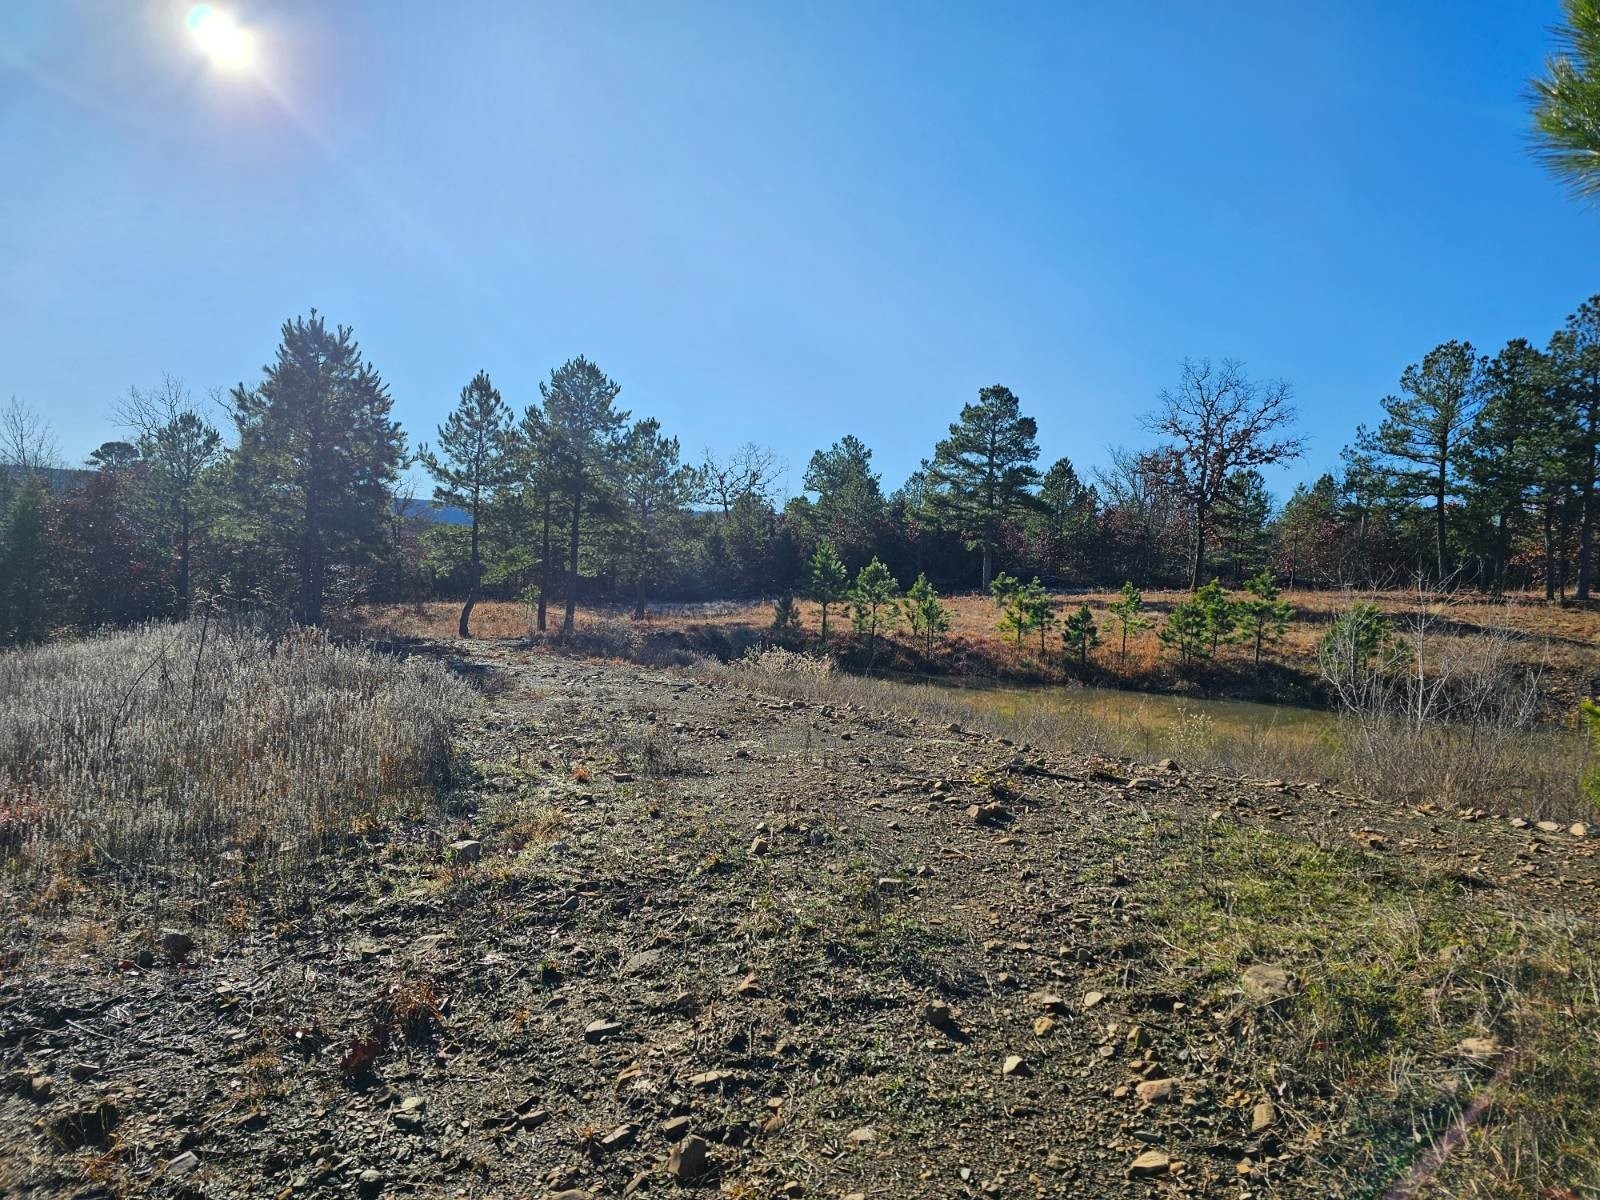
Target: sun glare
column 220, row 38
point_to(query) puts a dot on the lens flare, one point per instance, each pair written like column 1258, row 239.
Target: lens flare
column 220, row 38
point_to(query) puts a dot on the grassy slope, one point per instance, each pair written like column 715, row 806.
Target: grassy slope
column 1562, row 642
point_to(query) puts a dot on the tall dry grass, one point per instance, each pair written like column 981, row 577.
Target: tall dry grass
column 172, row 745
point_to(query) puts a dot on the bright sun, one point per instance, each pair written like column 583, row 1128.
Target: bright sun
column 223, row 40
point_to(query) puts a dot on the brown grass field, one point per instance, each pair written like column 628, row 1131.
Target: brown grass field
column 1563, row 643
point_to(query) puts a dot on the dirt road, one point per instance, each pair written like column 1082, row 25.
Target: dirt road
column 680, row 932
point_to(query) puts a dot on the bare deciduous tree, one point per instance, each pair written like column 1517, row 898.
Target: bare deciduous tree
column 26, row 440
column 751, row 470
column 1218, row 421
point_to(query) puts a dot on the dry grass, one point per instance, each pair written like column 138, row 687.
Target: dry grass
column 183, row 747
column 1565, row 642
column 1393, row 971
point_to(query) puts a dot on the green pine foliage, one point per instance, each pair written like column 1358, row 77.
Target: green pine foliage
column 926, row 614
column 1263, row 614
column 874, row 604
column 1127, row 610
column 311, row 478
column 785, row 617
column 472, row 463
column 1566, row 101
column 983, row 472
column 827, row 582
column 1080, row 634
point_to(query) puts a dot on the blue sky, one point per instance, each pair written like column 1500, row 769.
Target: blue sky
column 781, row 223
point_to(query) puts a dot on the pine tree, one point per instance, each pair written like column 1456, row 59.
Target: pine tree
column 1061, row 526
column 826, row 582
column 654, row 488
column 471, row 466
column 28, row 563
column 1423, row 436
column 316, row 456
column 537, row 469
column 1080, row 634
column 585, row 435
column 1263, row 617
column 1128, row 611
column 1575, row 351
column 983, row 472
column 1243, row 517
column 849, row 509
column 1221, row 614
column 874, row 604
column 1014, row 613
column 926, row 614
column 1188, row 631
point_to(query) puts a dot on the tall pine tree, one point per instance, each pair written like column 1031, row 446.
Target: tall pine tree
column 983, row 472
column 585, row 431
column 317, row 453
column 473, row 462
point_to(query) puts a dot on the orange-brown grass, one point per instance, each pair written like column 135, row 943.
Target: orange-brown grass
column 1564, row 641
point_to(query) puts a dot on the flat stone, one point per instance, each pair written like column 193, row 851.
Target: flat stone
column 183, row 1164
column 1263, row 1116
column 1266, row 983
column 862, row 1136
column 1015, row 1064
column 600, row 1030
column 1043, row 1027
column 1149, row 1164
column 1548, row 826
column 1155, row 1091
column 642, row 961
column 1091, row 999
column 688, row 1159
column 618, row 1138
column 467, row 850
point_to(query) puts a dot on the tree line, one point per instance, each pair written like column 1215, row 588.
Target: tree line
column 290, row 494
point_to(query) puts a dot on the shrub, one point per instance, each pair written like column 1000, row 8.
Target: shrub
column 173, row 743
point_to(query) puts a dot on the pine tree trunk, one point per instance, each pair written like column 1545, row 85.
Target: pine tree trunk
column 474, row 578
column 988, row 568
column 1549, row 551
column 184, row 539
column 568, row 621
column 1439, row 517
column 544, row 565
column 1586, row 526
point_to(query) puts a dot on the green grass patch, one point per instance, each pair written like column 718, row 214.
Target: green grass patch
column 1393, row 967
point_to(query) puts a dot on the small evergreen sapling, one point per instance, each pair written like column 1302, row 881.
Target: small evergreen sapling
column 1263, row 616
column 1128, row 612
column 874, row 603
column 1080, row 635
column 926, row 614
column 826, row 582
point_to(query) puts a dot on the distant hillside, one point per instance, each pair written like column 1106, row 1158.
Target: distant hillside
column 426, row 510
column 62, row 480
column 59, row 480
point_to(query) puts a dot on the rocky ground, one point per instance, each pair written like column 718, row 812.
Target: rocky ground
column 680, row 931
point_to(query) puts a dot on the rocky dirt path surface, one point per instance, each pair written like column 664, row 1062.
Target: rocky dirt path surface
column 681, row 934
